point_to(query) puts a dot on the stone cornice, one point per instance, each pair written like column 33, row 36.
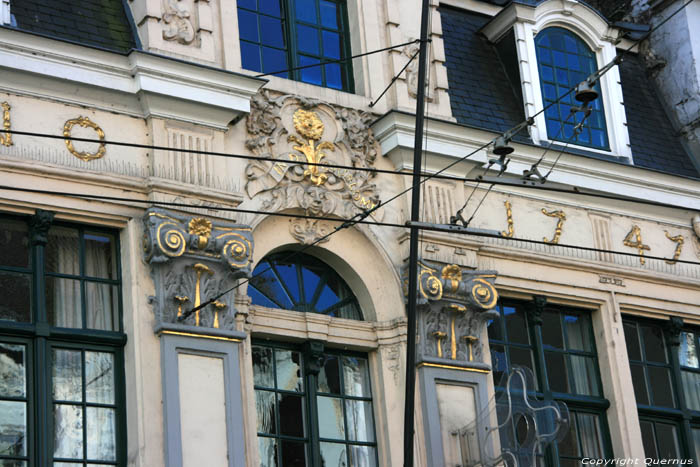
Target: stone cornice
column 140, row 83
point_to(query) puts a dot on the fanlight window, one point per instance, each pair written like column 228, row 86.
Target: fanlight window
column 300, row 282
column 564, row 61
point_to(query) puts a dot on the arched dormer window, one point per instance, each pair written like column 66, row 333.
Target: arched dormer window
column 563, row 61
column 301, row 282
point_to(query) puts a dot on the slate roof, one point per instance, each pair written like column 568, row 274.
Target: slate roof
column 482, row 87
column 98, row 23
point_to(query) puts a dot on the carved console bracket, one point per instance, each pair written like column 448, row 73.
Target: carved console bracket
column 454, row 305
column 192, row 261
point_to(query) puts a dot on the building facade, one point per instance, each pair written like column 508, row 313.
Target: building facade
column 182, row 285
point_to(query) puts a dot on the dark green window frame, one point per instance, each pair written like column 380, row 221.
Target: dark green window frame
column 656, row 417
column 312, row 359
column 40, row 338
column 524, row 336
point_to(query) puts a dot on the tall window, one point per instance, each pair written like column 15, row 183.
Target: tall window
column 557, row 344
column 669, row 412
column 278, row 35
column 61, row 359
column 564, row 61
column 313, row 403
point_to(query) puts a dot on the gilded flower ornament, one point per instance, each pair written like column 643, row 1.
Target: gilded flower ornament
column 308, row 125
column 200, row 226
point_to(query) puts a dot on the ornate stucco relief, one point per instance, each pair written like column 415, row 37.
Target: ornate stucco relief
column 454, row 305
column 696, row 229
column 177, row 25
column 297, row 131
column 192, row 261
column 84, row 122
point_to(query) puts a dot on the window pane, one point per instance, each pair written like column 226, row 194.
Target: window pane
column 63, row 302
column 331, row 44
column 333, row 454
column 362, row 456
column 16, row 303
column 68, row 433
column 262, row 367
column 639, row 383
column 516, row 325
column 494, row 329
column 99, row 377
column 273, row 33
column 556, row 372
column 63, row 251
column 291, row 415
column 552, row 336
column 360, row 425
column 101, row 306
column 250, row 57
column 310, row 75
column 584, row 375
column 648, row 439
column 13, row 428
column 246, row 4
column 568, row 446
column 691, row 389
column 334, row 78
column 14, row 243
column 268, row 285
column 521, row 357
column 289, row 373
column 311, row 279
column 660, row 386
column 274, row 61
column 265, row 408
column 667, row 440
column 307, row 42
column 356, row 377
column 654, row 348
column 12, row 370
column 329, row 14
column 293, row 453
column 67, row 375
column 248, row 26
column 329, row 376
column 577, row 332
column 101, row 434
column 687, row 352
column 330, row 417
column 591, row 440
column 100, row 255
column 632, row 341
column 306, row 10
column 696, row 440
column 267, row 447
column 288, row 275
column 270, row 7
column 498, row 363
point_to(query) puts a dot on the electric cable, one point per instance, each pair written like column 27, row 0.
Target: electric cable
column 393, row 80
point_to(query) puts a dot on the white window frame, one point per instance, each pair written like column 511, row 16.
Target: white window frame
column 526, row 21
column 5, row 16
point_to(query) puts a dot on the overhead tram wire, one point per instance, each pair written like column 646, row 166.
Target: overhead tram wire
column 360, row 218
column 393, row 80
column 340, row 60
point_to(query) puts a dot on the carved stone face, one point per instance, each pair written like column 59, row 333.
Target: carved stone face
column 315, row 200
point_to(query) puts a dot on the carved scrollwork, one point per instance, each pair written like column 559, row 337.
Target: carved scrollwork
column 84, row 122
column 237, row 249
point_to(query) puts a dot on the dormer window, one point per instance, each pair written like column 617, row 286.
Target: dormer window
column 563, row 61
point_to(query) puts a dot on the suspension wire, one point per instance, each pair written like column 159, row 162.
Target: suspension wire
column 360, row 218
column 340, row 60
column 393, row 80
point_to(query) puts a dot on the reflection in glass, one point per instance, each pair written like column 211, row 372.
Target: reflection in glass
column 288, row 365
column 99, row 377
column 262, row 367
column 67, row 375
column 101, row 434
column 584, row 375
column 330, row 418
column 691, row 389
column 362, row 456
column 333, row 455
column 13, row 428
column 100, row 255
column 577, row 332
column 63, row 302
column 68, row 431
column 360, row 426
column 267, row 447
column 101, row 306
column 356, row 377
column 12, row 370
column 632, row 340
column 329, row 376
column 16, row 301
column 63, row 251
column 265, row 408
column 591, row 441
column 687, row 351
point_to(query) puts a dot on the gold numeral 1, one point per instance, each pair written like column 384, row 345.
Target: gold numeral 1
column 678, row 239
column 6, row 139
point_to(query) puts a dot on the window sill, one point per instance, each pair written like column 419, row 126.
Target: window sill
column 587, row 152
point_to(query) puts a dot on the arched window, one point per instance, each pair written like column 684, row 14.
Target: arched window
column 300, row 282
column 564, row 61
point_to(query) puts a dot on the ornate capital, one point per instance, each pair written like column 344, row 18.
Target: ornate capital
column 455, row 304
column 39, row 225
column 192, row 261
